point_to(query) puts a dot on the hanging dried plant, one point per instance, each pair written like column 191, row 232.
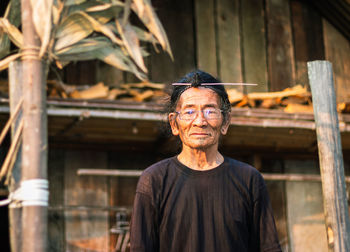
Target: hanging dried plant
column 77, row 30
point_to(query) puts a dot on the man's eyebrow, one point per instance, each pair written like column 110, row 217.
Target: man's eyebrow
column 210, row 105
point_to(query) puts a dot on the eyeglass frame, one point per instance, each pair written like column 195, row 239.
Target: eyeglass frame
column 196, row 114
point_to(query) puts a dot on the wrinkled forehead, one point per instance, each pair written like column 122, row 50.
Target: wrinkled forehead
column 198, row 96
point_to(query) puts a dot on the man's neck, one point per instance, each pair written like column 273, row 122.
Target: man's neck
column 200, row 159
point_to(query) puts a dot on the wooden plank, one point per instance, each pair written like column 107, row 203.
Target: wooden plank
column 177, row 19
column 254, row 44
column 122, row 189
column 330, row 155
column 337, row 49
column 83, row 73
column 85, row 227
column 228, row 39
column 277, row 193
column 56, row 224
column 308, row 38
column 304, row 209
column 205, row 36
column 15, row 214
column 108, row 74
column 280, row 45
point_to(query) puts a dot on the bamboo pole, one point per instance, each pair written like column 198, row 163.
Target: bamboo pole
column 330, row 156
column 34, row 158
column 15, row 212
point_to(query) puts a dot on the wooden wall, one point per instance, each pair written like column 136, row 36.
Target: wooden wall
column 265, row 42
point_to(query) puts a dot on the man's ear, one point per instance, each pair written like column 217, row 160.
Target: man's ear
column 173, row 124
column 225, row 125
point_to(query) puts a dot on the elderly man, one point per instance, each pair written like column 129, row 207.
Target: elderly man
column 201, row 200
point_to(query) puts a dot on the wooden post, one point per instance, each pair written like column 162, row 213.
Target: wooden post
column 15, row 212
column 34, row 158
column 330, row 155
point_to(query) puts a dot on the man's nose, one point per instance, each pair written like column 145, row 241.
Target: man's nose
column 200, row 119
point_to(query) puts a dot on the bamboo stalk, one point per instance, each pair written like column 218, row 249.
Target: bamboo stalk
column 11, row 153
column 10, row 121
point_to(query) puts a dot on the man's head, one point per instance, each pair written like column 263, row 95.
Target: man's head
column 199, row 112
column 199, row 78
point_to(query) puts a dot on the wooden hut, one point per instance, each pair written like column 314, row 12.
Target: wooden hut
column 265, row 42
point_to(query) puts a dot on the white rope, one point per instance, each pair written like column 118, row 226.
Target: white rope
column 33, row 192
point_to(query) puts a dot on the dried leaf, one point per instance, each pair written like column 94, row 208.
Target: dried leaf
column 73, row 28
column 103, row 7
column 97, row 91
column 131, row 43
column 116, row 58
column 74, row 2
column 14, row 34
column 78, row 26
column 42, row 18
column 85, row 45
column 5, row 62
column 147, row 15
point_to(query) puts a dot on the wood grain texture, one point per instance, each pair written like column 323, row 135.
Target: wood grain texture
column 85, row 227
column 56, row 223
column 254, row 44
column 337, row 49
column 177, row 19
column 229, row 44
column 330, row 155
column 15, row 214
column 305, row 209
column 308, row 38
column 280, row 45
column 205, row 36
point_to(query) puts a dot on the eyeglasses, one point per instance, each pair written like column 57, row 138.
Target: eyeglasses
column 191, row 114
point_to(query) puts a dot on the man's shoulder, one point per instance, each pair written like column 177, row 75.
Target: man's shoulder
column 152, row 177
column 242, row 168
column 158, row 167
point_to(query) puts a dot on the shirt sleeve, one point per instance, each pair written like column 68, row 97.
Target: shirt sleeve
column 144, row 221
column 264, row 228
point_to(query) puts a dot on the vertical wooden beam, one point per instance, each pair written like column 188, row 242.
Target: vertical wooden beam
column 280, row 45
column 56, row 227
column 307, row 38
column 205, row 36
column 229, row 44
column 177, row 19
column 337, row 50
column 15, row 212
column 330, row 155
column 254, row 44
column 34, row 158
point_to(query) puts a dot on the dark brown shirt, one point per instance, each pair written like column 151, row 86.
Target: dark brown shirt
column 223, row 209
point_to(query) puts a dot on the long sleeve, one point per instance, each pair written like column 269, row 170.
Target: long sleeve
column 144, row 231
column 264, row 225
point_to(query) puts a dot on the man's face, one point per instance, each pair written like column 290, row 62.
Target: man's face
column 200, row 132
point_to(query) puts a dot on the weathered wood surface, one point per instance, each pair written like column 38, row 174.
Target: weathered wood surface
column 254, row 45
column 56, row 224
column 279, row 45
column 206, row 36
column 91, row 225
column 15, row 214
column 337, row 49
column 177, row 19
column 330, row 156
column 308, row 38
column 304, row 209
column 229, row 44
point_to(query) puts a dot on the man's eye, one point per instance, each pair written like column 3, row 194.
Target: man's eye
column 188, row 112
column 210, row 111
